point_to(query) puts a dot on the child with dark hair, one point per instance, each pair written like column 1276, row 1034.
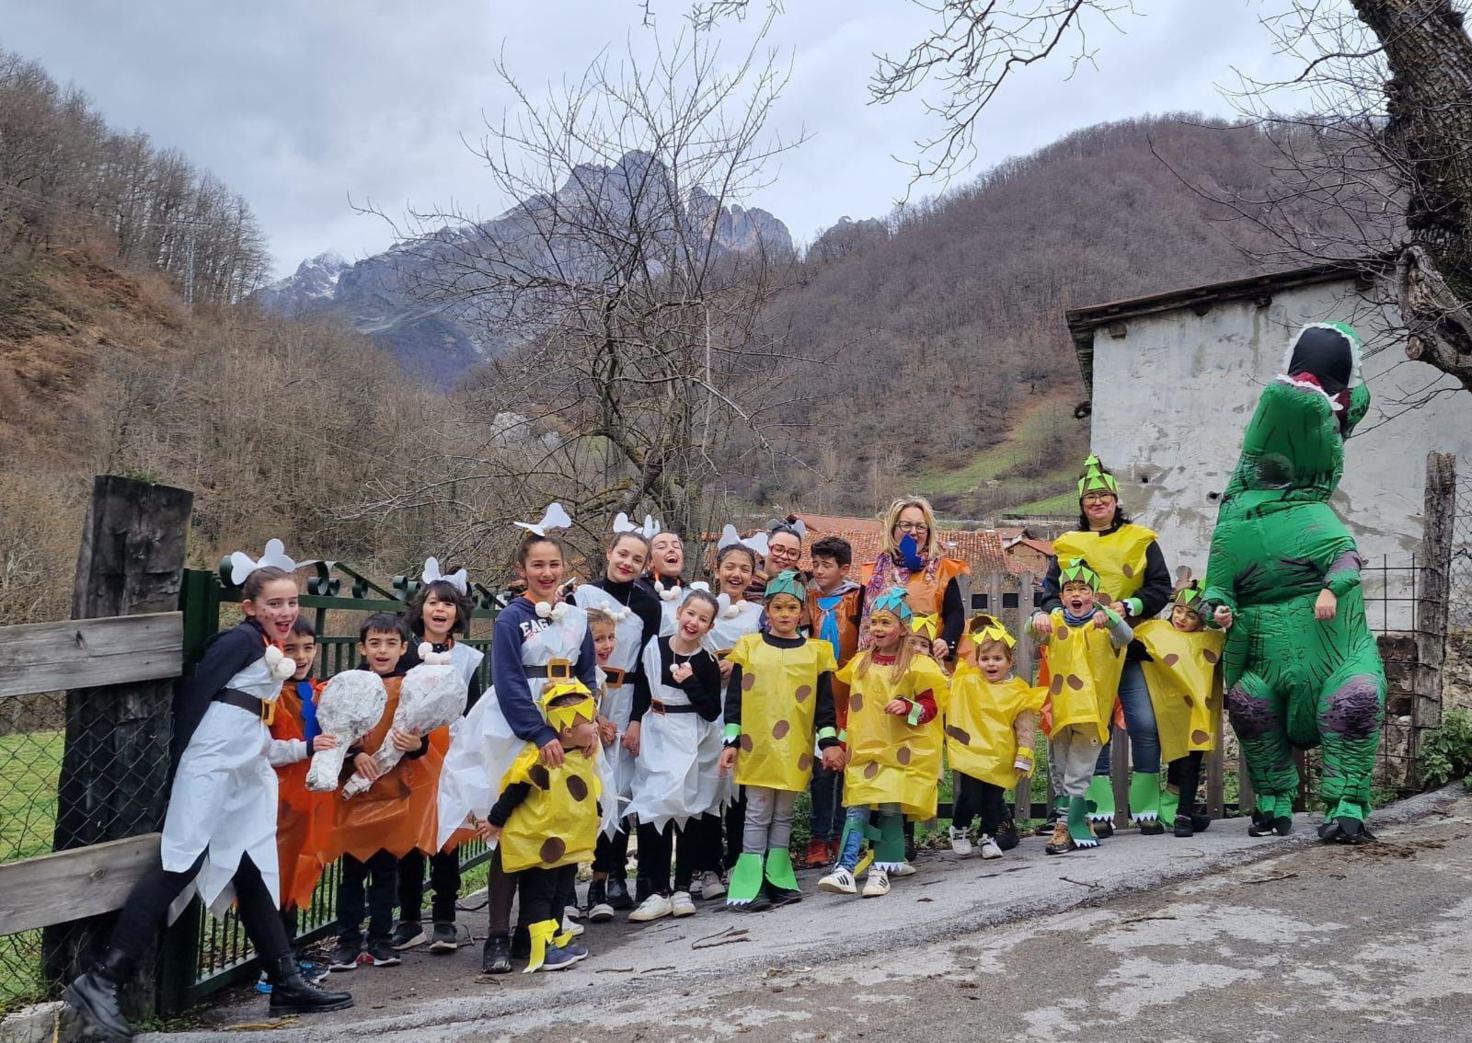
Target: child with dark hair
column 438, row 613
column 219, row 835
column 372, row 831
column 835, row 608
column 302, row 816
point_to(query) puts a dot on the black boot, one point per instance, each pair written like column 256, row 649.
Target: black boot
column 521, row 943
column 293, row 994
column 94, row 997
column 496, row 956
column 1185, row 826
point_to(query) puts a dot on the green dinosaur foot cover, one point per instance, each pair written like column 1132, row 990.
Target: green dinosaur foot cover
column 1145, row 796
column 1100, row 798
column 746, row 879
column 1170, row 805
column 779, row 868
column 1078, row 823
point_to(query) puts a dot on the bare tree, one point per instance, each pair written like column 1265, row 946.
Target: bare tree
column 1390, row 85
column 624, row 292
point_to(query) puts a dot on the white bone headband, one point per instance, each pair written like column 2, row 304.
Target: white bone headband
column 460, row 580
column 648, row 530
column 553, row 518
column 757, row 543
column 274, row 556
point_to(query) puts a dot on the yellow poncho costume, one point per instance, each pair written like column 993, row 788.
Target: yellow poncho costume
column 892, row 761
column 779, row 688
column 1085, row 668
column 1185, row 685
column 981, row 740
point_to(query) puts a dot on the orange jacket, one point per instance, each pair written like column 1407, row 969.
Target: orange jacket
column 303, row 818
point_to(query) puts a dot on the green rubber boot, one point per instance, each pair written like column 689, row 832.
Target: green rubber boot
column 781, row 880
column 746, row 879
column 1145, row 801
column 1078, row 823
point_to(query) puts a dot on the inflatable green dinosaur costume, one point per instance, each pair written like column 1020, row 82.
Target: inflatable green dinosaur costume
column 1301, row 665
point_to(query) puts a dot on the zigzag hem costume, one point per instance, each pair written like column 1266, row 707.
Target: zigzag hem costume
column 1292, row 680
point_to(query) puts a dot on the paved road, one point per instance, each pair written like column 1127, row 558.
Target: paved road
column 1215, row 938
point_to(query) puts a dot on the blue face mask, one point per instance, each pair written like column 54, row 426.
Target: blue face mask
column 909, row 553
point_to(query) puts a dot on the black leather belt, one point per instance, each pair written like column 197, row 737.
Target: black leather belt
column 234, row 697
column 616, row 678
column 662, row 708
column 553, row 670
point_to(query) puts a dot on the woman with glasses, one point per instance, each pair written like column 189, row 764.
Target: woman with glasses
column 1135, row 581
column 911, row 558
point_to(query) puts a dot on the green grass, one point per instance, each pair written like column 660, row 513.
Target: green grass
column 1010, row 464
column 29, row 766
column 1064, row 503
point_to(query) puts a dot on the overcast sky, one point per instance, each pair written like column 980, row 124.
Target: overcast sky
column 298, row 105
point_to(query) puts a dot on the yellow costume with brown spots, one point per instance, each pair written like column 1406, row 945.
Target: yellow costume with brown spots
column 892, row 761
column 1085, row 668
column 557, row 823
column 779, row 688
column 1185, row 685
column 980, row 719
column 1119, row 560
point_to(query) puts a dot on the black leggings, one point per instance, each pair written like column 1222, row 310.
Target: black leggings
column 500, row 893
column 611, row 853
column 697, row 848
column 542, row 892
column 1185, row 774
column 976, row 798
column 444, row 877
column 148, row 906
column 735, row 826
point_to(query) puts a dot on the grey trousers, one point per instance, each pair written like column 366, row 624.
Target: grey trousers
column 1072, row 752
column 768, row 819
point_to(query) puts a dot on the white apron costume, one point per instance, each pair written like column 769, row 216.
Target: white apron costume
column 483, row 746
column 677, row 775
column 466, row 659
column 223, row 800
column 617, row 704
column 728, row 629
column 670, row 601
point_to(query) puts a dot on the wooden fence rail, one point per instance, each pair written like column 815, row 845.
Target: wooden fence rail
column 82, row 653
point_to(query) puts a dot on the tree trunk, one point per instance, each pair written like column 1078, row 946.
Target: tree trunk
column 1429, row 101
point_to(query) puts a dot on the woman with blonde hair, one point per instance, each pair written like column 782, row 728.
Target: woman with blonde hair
column 912, row 558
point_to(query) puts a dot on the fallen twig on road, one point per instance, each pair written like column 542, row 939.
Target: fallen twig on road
column 1270, row 879
column 730, row 936
column 1143, row 919
column 1082, row 883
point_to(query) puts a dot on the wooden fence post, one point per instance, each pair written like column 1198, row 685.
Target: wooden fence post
column 115, row 764
column 1433, row 604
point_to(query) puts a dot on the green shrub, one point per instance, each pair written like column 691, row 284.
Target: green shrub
column 1446, row 752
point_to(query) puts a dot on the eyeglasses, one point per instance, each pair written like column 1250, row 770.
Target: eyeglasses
column 1098, row 497
column 784, row 553
column 912, row 527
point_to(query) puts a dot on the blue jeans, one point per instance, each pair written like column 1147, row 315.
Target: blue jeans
column 1139, row 721
column 826, row 790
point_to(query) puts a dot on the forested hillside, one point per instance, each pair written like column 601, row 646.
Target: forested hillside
column 951, row 365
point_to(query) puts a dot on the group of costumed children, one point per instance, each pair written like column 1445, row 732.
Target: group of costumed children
column 635, row 703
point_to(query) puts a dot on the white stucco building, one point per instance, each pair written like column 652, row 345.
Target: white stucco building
column 1174, row 377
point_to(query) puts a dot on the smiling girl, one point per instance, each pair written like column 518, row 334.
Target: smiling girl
column 636, row 614
column 219, row 834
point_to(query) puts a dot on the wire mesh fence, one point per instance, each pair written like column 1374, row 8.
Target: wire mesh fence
column 32, row 735
column 1459, row 609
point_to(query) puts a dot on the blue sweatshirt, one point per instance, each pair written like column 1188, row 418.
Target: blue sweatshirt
column 516, row 622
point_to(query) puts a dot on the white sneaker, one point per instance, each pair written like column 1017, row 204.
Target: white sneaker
column 876, row 884
column 600, row 913
column 903, row 869
column 572, row 912
column 712, row 886
column 960, row 840
column 681, row 905
column 571, row 926
column 989, row 848
column 839, row 882
column 653, row 908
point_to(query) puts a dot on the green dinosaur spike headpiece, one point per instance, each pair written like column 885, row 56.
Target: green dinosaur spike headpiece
column 1096, row 477
column 1189, row 596
column 785, row 583
column 1076, row 570
column 896, row 601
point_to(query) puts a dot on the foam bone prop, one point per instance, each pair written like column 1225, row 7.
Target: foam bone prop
column 459, row 579
column 433, row 694
column 347, row 709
